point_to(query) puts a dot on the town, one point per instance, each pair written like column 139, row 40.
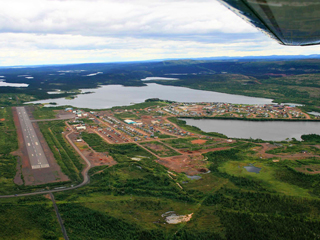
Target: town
column 132, row 125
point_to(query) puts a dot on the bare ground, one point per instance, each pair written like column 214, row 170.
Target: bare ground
column 189, row 164
column 199, row 141
column 95, row 158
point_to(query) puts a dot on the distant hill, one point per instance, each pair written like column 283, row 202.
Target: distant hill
column 249, row 58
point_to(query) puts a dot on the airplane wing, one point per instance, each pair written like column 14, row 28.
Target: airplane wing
column 290, row 22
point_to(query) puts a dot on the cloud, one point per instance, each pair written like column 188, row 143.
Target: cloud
column 139, row 19
column 71, row 31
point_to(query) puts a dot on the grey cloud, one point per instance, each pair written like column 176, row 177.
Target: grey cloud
column 138, row 19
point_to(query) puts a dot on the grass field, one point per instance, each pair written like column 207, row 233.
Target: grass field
column 160, row 135
column 120, row 152
column 186, row 143
column 126, row 115
column 44, row 113
column 8, row 144
column 69, row 161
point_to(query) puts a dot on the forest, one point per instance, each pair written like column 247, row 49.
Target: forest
column 227, row 203
column 283, row 80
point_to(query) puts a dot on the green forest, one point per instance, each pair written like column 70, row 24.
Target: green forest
column 126, row 201
column 292, row 80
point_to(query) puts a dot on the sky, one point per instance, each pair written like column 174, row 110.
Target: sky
column 34, row 32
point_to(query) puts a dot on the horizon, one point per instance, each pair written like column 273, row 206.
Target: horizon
column 222, row 58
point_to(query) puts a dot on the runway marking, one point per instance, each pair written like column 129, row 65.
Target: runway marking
column 34, row 146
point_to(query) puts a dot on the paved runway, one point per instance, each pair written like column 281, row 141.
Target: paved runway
column 36, row 155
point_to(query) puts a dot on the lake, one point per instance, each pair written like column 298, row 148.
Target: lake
column 5, row 84
column 118, row 95
column 314, row 113
column 159, row 78
column 266, row 130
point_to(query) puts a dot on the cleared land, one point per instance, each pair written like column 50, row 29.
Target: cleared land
column 160, row 149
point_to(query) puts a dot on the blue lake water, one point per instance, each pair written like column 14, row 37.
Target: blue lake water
column 266, row 130
column 118, row 95
column 5, row 84
column 252, row 168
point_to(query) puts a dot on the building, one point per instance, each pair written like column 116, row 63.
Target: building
column 128, row 121
column 81, row 127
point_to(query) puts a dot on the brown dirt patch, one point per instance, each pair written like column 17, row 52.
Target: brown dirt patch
column 95, row 158
column 199, row 141
column 47, row 196
column 189, row 164
column 99, row 159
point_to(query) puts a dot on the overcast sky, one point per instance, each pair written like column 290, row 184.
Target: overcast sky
column 73, row 31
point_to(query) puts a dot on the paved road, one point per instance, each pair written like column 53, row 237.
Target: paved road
column 36, row 155
column 85, row 171
column 59, row 118
column 63, row 229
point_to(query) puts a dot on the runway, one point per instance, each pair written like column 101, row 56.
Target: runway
column 36, row 155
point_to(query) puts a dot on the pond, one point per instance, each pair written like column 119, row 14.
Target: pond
column 252, row 168
column 193, row 177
